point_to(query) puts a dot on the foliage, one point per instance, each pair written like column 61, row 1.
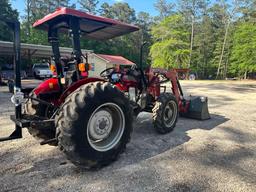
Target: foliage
column 171, row 47
column 129, row 45
column 244, row 48
column 6, row 12
column 212, row 38
column 164, row 8
column 88, row 5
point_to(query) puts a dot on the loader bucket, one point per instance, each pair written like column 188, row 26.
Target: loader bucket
column 198, row 108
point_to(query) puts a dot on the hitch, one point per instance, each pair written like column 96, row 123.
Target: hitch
column 16, row 134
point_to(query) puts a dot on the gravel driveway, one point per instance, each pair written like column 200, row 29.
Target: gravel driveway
column 214, row 155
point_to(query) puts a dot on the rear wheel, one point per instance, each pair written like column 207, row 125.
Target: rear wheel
column 94, row 125
column 165, row 113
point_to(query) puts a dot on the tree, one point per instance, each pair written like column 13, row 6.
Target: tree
column 243, row 57
column 144, row 22
column 165, row 9
column 171, row 47
column 89, row 5
column 6, row 12
column 203, row 36
column 61, row 3
column 228, row 16
column 204, row 46
column 105, row 10
column 127, row 45
column 123, row 12
column 36, row 9
column 191, row 9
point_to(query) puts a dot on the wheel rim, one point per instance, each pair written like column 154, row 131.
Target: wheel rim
column 170, row 113
column 105, row 127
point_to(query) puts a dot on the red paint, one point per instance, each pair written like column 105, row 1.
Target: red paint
column 183, row 108
column 83, row 15
column 51, row 85
column 183, row 105
column 47, row 86
column 121, row 87
column 154, row 87
column 76, row 85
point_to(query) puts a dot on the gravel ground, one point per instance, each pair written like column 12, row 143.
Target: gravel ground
column 214, row 155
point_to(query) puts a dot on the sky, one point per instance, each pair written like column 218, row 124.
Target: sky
column 138, row 5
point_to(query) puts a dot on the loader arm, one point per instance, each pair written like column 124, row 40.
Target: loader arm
column 195, row 107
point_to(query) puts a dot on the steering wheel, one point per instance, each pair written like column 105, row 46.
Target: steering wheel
column 107, row 73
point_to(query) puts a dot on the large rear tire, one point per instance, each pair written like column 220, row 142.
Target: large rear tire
column 94, row 125
column 165, row 113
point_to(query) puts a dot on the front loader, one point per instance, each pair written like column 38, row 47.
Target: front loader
column 90, row 118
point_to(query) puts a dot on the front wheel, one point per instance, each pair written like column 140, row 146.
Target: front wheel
column 94, row 125
column 165, row 113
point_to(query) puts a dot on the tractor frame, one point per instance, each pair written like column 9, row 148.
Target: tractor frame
column 54, row 94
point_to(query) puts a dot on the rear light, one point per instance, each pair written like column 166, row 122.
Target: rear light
column 84, row 67
column 81, row 67
column 52, row 68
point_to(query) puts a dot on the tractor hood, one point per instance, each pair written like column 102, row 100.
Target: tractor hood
column 91, row 26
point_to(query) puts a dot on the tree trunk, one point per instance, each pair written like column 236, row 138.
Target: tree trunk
column 245, row 75
column 28, row 2
column 223, row 49
column 226, row 64
column 192, row 40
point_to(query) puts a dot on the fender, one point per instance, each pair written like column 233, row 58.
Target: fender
column 49, row 85
column 76, row 85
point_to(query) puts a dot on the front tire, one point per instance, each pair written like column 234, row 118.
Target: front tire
column 165, row 113
column 94, row 125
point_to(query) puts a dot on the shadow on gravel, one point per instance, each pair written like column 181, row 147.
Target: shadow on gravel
column 146, row 143
column 238, row 159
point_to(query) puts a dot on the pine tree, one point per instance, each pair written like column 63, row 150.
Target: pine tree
column 165, row 9
column 6, row 12
column 243, row 55
column 89, row 5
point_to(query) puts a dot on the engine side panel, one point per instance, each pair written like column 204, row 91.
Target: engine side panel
column 52, row 86
column 49, row 85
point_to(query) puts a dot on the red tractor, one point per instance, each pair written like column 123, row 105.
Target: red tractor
column 89, row 118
